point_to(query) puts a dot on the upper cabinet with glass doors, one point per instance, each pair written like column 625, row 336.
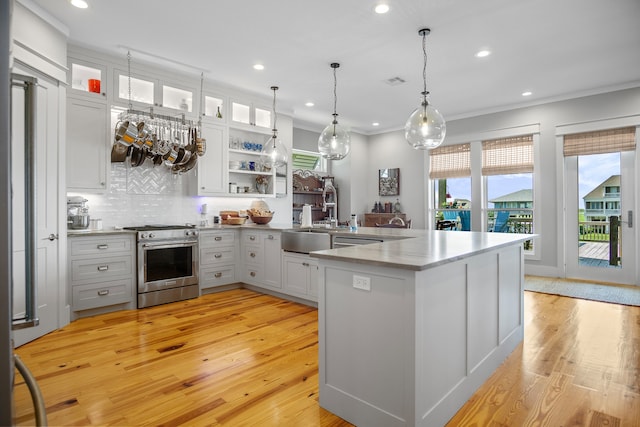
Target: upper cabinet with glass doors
column 87, row 79
column 214, row 108
column 145, row 92
column 245, row 113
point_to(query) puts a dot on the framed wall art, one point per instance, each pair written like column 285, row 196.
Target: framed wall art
column 389, row 182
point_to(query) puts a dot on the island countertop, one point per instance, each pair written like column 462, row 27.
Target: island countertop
column 413, row 249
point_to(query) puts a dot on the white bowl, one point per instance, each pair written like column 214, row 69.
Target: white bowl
column 234, row 164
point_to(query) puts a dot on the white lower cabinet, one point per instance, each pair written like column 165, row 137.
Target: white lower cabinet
column 261, row 259
column 218, row 254
column 300, row 275
column 102, row 271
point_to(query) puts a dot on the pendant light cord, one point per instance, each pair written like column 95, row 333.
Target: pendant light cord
column 275, row 114
column 335, row 92
column 424, row 67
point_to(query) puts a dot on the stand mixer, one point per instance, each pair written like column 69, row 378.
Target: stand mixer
column 77, row 213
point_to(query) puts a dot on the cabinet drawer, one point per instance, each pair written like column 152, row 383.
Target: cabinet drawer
column 250, row 237
column 253, row 255
column 252, row 274
column 102, row 294
column 94, row 270
column 217, row 255
column 80, row 246
column 222, row 275
column 209, row 239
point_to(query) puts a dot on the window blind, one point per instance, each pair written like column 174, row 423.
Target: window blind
column 450, row 161
column 600, row 142
column 507, row 155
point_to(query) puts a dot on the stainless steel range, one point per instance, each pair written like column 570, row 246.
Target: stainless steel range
column 167, row 263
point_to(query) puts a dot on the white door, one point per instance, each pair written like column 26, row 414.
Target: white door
column 46, row 293
column 598, row 187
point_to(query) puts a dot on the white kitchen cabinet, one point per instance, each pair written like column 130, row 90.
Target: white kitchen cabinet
column 300, row 275
column 102, row 273
column 218, row 254
column 87, row 79
column 244, row 163
column 214, row 108
column 261, row 258
column 87, row 144
column 247, row 113
column 211, row 172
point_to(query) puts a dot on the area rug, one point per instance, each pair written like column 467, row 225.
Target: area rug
column 626, row 295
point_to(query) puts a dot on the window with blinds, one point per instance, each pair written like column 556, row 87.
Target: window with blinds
column 507, row 155
column 450, row 161
column 600, row 142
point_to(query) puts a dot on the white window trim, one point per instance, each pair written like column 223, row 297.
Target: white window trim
column 478, row 183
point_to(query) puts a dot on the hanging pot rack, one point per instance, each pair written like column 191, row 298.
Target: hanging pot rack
column 170, row 140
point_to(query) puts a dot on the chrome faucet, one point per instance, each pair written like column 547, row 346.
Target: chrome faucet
column 330, row 201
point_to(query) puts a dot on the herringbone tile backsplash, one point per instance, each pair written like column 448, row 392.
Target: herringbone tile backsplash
column 148, row 195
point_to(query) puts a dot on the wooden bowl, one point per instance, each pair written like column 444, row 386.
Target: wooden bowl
column 261, row 219
column 236, row 220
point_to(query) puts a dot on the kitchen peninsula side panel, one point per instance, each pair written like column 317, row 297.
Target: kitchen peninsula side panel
column 414, row 348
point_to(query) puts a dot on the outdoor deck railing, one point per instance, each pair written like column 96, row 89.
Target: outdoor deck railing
column 593, row 231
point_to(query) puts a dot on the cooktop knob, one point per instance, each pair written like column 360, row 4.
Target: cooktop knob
column 143, row 236
column 151, row 235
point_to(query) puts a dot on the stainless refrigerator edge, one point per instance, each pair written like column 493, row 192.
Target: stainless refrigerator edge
column 9, row 362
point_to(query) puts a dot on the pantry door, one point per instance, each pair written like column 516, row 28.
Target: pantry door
column 600, row 222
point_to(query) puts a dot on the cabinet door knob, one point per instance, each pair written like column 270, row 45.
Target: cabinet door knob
column 103, row 267
column 103, row 292
column 306, row 264
column 252, row 237
column 52, row 237
column 252, row 274
column 252, row 254
column 218, row 256
column 218, row 238
column 270, row 236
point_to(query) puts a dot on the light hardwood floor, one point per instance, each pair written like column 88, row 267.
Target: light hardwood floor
column 239, row 358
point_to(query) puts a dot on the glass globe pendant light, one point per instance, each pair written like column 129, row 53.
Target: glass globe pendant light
column 274, row 153
column 426, row 127
column 334, row 142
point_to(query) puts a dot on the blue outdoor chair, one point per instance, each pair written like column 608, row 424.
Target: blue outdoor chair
column 465, row 220
column 501, row 222
column 450, row 215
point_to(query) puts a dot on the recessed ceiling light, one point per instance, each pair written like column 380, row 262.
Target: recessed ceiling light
column 483, row 53
column 258, row 67
column 81, row 4
column 382, row 8
column 527, row 93
column 375, row 124
column 309, row 104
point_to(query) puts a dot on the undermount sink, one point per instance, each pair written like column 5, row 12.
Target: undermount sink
column 305, row 240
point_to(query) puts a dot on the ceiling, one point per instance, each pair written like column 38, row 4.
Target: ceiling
column 555, row 49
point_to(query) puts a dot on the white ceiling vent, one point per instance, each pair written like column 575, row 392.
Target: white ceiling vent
column 395, row 81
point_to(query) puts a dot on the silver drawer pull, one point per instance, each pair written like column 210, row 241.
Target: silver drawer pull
column 103, row 292
column 218, row 255
column 103, row 246
column 252, row 274
column 218, row 238
column 103, row 267
column 252, row 237
column 218, row 275
column 252, row 254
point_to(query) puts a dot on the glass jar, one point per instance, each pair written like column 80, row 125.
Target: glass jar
column 233, row 187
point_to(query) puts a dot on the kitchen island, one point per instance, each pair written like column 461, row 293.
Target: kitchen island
column 410, row 328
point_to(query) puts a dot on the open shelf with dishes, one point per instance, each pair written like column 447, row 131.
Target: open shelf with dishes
column 307, row 190
column 247, row 177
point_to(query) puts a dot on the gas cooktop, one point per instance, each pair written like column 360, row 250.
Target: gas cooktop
column 155, row 227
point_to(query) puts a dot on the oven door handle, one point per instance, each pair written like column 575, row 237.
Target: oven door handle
column 167, row 245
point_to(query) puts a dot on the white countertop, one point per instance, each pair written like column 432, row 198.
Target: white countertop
column 419, row 249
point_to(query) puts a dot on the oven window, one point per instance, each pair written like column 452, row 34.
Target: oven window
column 168, row 263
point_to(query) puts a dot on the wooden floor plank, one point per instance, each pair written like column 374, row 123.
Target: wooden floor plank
column 240, row 358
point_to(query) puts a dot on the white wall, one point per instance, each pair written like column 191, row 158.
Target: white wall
column 391, row 150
